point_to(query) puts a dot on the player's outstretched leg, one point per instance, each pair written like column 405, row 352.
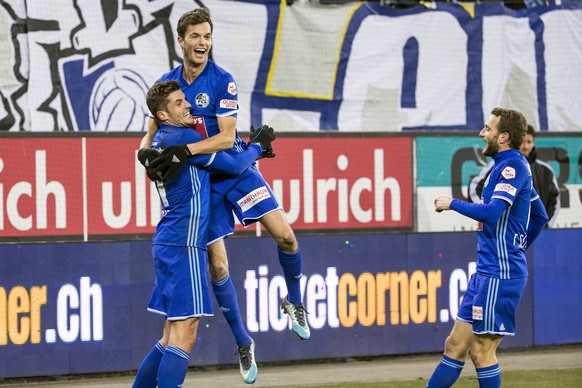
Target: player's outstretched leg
column 296, row 312
column 291, row 261
column 247, row 362
column 291, row 304
column 227, row 299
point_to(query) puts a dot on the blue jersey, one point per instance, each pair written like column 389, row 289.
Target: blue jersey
column 213, row 94
column 502, row 244
column 186, row 197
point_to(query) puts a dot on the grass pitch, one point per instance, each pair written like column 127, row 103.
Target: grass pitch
column 563, row 378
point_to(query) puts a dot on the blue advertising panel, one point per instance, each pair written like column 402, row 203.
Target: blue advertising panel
column 81, row 307
column 73, row 308
column 558, row 288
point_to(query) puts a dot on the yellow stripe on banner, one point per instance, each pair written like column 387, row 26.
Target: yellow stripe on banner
column 469, row 7
column 276, row 48
column 279, row 93
column 339, row 49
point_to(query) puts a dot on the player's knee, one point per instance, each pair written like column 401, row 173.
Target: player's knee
column 218, row 271
column 287, row 241
column 477, row 355
column 482, row 356
column 455, row 349
column 449, row 344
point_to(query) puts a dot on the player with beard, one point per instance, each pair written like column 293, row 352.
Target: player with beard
column 510, row 217
column 544, row 180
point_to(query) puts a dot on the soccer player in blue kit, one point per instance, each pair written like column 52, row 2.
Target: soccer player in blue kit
column 179, row 247
column 510, row 217
column 212, row 92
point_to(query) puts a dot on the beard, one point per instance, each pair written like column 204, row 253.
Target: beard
column 491, row 148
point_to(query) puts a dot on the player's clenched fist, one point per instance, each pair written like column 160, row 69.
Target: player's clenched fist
column 442, row 203
column 264, row 135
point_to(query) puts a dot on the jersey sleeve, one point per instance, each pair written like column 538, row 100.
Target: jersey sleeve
column 232, row 164
column 488, row 213
column 227, row 96
column 510, row 180
column 235, row 164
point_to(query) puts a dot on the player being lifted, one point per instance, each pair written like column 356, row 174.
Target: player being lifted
column 212, row 92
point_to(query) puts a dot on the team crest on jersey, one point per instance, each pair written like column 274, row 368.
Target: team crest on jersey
column 202, row 100
column 508, row 172
column 232, row 88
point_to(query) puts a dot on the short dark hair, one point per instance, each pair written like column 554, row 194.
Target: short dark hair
column 531, row 130
column 192, row 18
column 157, row 96
column 512, row 122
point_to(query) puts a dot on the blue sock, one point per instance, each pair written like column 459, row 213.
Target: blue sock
column 446, row 373
column 292, row 267
column 228, row 302
column 489, row 377
column 173, row 368
column 147, row 374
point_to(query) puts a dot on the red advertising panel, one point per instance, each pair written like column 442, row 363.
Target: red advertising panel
column 89, row 188
column 41, row 191
column 121, row 199
column 343, row 183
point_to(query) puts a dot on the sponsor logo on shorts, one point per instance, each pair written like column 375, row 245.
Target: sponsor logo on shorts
column 506, row 187
column 229, row 104
column 232, row 88
column 252, row 198
column 508, row 173
column 477, row 313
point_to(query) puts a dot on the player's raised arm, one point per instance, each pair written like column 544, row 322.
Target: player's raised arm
column 235, row 164
column 221, row 141
column 146, row 141
column 167, row 165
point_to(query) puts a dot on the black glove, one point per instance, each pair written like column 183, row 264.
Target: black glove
column 263, row 135
column 170, row 161
column 145, row 157
column 268, row 153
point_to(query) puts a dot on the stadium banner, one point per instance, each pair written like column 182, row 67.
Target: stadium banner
column 364, row 67
column 94, row 188
column 445, row 166
column 74, row 308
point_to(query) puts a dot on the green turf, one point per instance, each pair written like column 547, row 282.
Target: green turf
column 563, row 378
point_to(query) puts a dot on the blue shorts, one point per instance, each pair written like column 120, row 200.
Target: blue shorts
column 490, row 304
column 247, row 195
column 181, row 286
